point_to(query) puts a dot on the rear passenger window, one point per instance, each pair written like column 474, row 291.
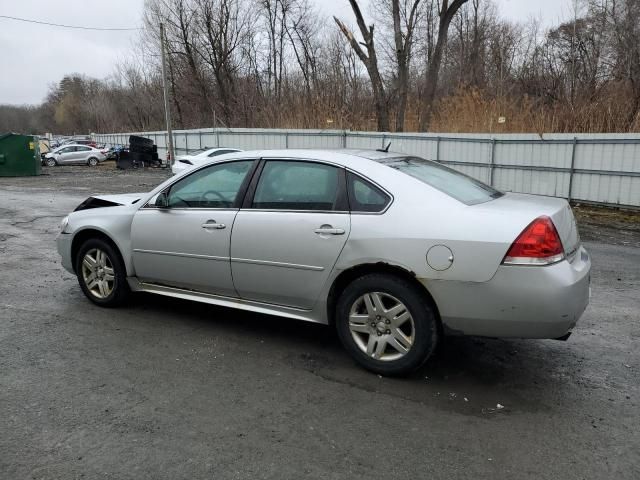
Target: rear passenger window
column 365, row 197
column 294, row 185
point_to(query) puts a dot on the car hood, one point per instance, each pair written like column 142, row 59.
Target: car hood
column 100, row 201
column 121, row 199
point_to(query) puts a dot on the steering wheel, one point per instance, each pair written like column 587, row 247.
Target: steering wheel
column 204, row 196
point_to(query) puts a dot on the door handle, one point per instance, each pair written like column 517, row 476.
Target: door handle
column 212, row 225
column 329, row 231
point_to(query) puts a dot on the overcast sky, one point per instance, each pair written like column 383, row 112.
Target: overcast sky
column 34, row 56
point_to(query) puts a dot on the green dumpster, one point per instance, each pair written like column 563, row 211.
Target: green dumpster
column 19, row 155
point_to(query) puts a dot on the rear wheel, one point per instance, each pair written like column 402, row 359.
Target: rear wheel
column 92, row 162
column 386, row 323
column 50, row 162
column 101, row 273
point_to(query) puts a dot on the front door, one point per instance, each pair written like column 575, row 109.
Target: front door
column 187, row 244
column 66, row 155
column 285, row 244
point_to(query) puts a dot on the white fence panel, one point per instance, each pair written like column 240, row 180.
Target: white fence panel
column 603, row 168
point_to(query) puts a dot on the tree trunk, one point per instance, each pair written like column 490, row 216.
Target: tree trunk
column 433, row 71
column 403, row 93
column 431, row 82
column 370, row 61
column 380, row 98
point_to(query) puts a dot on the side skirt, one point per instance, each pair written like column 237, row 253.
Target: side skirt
column 230, row 302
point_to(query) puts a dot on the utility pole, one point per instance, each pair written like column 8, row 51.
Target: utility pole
column 573, row 54
column 165, row 88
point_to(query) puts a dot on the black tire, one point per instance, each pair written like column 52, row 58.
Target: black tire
column 120, row 290
column 50, row 162
column 141, row 157
column 424, row 327
column 93, row 162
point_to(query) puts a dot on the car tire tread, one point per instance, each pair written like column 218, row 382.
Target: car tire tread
column 420, row 307
column 121, row 290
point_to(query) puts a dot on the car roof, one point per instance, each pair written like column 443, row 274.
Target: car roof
column 351, row 158
column 215, row 149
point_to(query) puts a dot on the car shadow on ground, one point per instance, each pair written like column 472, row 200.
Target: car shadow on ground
column 470, row 375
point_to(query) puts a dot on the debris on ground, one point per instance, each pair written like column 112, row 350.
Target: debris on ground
column 615, row 226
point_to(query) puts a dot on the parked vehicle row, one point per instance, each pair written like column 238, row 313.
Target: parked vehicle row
column 394, row 250
column 140, row 152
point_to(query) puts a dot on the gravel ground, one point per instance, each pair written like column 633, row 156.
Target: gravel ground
column 167, row 389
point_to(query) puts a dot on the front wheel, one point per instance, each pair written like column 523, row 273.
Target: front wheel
column 51, row 162
column 386, row 323
column 101, row 273
column 93, row 162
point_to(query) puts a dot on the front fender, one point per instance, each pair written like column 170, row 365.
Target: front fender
column 113, row 222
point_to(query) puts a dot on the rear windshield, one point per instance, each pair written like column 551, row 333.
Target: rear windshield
column 455, row 184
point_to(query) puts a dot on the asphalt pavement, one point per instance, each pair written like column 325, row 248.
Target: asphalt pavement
column 168, row 389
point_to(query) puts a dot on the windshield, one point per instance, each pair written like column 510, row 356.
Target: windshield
column 455, row 184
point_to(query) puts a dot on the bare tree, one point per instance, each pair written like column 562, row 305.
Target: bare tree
column 446, row 11
column 224, row 28
column 403, row 39
column 370, row 61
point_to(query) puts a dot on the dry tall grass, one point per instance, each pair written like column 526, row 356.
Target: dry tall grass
column 473, row 111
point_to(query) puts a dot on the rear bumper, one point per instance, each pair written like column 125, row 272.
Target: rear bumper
column 518, row 302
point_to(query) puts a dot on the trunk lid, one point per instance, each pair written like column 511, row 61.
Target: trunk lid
column 526, row 208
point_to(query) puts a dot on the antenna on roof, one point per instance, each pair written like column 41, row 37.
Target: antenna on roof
column 385, row 149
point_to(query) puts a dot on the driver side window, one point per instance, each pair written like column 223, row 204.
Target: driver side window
column 216, row 186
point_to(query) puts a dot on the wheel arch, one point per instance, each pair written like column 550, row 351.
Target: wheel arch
column 86, row 234
column 357, row 271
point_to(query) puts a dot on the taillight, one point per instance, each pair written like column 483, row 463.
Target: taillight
column 538, row 244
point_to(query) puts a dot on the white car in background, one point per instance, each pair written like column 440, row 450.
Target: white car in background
column 200, row 157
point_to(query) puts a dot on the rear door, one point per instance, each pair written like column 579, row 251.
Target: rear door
column 81, row 155
column 290, row 232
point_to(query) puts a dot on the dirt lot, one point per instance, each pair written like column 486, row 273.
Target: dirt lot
column 167, row 389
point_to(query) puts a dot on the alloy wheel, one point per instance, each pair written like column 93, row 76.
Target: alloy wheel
column 381, row 326
column 98, row 273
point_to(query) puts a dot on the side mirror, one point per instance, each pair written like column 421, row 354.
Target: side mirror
column 162, row 200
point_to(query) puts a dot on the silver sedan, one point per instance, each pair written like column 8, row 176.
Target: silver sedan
column 394, row 250
column 74, row 155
